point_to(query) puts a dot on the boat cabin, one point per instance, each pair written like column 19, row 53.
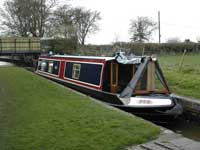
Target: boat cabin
column 109, row 74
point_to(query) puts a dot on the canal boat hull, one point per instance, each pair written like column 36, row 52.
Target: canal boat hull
column 151, row 113
column 122, row 82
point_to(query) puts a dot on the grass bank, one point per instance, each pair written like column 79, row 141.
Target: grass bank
column 38, row 115
column 184, row 81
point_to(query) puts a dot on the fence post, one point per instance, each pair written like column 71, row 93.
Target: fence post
column 29, row 44
column 143, row 51
column 1, row 50
column 182, row 59
column 15, row 46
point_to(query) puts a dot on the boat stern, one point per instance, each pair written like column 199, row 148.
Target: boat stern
column 162, row 104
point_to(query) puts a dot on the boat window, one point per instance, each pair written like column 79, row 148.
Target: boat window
column 114, row 78
column 56, row 65
column 84, row 72
column 43, row 66
column 39, row 65
column 50, row 68
column 76, row 71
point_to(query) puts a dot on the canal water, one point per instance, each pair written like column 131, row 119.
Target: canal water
column 2, row 63
column 189, row 129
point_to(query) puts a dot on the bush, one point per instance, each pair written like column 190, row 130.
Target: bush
column 59, row 45
column 69, row 46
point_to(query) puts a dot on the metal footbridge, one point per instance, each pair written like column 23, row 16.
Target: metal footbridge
column 19, row 46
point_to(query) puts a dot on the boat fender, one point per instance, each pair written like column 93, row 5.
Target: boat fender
column 125, row 100
column 177, row 109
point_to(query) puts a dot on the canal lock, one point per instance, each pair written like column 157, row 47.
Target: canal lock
column 188, row 124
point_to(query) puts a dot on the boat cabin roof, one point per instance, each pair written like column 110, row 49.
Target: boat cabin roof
column 119, row 57
column 85, row 57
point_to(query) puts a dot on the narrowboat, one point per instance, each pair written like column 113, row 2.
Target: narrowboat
column 132, row 83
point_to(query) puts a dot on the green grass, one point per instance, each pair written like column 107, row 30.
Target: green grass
column 184, row 81
column 36, row 114
column 191, row 62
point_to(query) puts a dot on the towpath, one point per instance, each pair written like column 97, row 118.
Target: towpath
column 169, row 140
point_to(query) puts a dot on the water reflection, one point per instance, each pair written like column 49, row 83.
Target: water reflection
column 186, row 128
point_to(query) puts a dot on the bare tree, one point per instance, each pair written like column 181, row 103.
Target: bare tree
column 26, row 17
column 142, row 28
column 15, row 19
column 85, row 23
column 61, row 23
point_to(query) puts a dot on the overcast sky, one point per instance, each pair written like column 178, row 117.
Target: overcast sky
column 179, row 18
